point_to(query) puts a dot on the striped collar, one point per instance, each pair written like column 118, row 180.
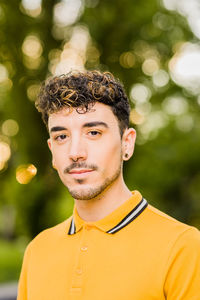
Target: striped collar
column 116, row 220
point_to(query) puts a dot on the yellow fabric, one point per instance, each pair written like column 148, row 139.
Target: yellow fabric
column 153, row 257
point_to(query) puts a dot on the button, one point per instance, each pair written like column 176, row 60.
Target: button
column 79, row 271
column 84, row 248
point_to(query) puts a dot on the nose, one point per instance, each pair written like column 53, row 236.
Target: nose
column 77, row 150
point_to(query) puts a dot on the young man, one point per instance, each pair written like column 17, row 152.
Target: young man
column 116, row 246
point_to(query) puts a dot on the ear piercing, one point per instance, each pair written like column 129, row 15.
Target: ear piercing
column 126, row 155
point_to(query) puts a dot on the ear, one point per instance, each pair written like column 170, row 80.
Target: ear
column 128, row 143
column 50, row 148
column 49, row 143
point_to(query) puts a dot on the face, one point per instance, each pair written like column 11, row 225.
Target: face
column 87, row 150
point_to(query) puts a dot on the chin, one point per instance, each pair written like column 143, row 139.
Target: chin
column 85, row 193
column 81, row 190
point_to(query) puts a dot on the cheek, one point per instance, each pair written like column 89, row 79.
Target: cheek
column 108, row 155
column 58, row 155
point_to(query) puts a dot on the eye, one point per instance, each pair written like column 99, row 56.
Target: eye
column 60, row 137
column 94, row 133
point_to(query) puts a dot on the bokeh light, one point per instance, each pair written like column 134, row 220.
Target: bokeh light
column 5, row 153
column 160, row 78
column 150, row 66
column 32, row 49
column 66, row 12
column 136, row 117
column 92, row 55
column 74, row 54
column 31, row 4
column 175, row 105
column 32, row 46
column 189, row 9
column 185, row 67
column 185, row 123
column 10, row 127
column 143, row 108
column 33, row 90
column 3, row 73
column 163, row 21
column 140, row 48
column 32, row 8
column 140, row 93
column 147, row 54
column 149, row 129
column 127, row 59
column 25, row 173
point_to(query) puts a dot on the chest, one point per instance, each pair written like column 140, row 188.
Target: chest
column 97, row 266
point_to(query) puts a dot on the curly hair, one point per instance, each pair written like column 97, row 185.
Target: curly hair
column 81, row 90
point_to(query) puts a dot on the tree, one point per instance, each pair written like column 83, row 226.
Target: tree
column 135, row 41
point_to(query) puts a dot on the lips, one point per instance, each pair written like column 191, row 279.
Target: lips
column 81, row 171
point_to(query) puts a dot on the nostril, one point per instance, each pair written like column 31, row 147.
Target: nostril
column 75, row 159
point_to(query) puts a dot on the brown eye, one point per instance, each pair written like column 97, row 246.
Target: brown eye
column 60, row 137
column 94, row 133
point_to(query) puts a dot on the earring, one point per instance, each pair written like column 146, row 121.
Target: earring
column 126, row 155
column 54, row 167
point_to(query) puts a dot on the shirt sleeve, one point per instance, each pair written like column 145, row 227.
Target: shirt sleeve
column 183, row 268
column 22, row 286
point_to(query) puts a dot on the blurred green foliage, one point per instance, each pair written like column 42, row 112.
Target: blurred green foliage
column 165, row 166
column 10, row 259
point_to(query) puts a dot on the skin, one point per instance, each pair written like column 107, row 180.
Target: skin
column 88, row 153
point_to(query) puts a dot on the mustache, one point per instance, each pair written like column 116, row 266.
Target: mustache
column 80, row 165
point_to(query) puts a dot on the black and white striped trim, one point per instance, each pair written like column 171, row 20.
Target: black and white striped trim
column 138, row 209
column 72, row 228
column 130, row 217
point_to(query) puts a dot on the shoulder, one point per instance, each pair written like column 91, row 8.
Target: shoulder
column 182, row 266
column 50, row 236
column 157, row 217
column 177, row 244
column 167, row 228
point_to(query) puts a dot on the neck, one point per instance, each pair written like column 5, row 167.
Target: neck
column 97, row 208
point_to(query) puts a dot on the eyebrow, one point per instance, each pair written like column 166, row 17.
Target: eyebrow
column 86, row 125
column 94, row 124
column 57, row 128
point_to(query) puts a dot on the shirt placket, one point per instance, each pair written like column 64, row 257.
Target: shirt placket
column 80, row 267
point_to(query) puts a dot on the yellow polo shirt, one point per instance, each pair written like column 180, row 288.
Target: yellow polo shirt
column 134, row 253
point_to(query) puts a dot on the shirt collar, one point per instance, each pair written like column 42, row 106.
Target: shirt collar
column 116, row 220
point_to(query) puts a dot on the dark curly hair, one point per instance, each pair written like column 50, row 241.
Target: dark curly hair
column 81, row 90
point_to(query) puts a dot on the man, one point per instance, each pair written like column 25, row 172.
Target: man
column 115, row 246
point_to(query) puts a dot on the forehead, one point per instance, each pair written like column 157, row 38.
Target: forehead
column 99, row 112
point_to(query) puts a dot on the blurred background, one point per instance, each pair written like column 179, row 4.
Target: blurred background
column 153, row 47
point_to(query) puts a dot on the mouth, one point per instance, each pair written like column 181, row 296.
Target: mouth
column 80, row 172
